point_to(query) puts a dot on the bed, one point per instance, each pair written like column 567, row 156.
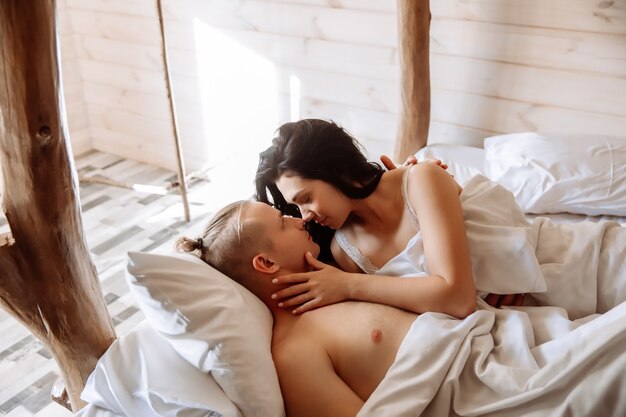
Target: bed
column 204, row 348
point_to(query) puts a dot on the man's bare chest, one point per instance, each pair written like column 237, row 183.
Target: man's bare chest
column 361, row 339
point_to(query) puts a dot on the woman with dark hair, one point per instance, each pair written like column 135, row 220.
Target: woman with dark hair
column 316, row 169
column 316, row 149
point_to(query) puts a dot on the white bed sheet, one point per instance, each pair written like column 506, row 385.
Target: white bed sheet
column 575, row 218
column 141, row 375
column 94, row 411
column 506, row 363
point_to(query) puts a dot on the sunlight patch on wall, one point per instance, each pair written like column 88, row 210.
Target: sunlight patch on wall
column 294, row 98
column 239, row 95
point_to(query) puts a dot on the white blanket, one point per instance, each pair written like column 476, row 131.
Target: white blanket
column 532, row 361
column 583, row 264
column 578, row 266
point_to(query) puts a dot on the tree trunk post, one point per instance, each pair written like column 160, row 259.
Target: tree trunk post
column 47, row 279
column 413, row 28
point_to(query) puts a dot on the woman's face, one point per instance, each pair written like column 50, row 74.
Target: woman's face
column 316, row 199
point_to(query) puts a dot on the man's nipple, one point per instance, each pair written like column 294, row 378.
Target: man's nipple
column 377, row 335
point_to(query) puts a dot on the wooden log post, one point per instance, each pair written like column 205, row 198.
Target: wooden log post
column 413, row 27
column 47, row 279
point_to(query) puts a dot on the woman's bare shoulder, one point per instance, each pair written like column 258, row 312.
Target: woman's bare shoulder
column 424, row 174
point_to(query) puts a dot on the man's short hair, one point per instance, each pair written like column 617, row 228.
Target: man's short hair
column 227, row 244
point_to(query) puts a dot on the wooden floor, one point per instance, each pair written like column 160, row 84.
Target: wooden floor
column 116, row 220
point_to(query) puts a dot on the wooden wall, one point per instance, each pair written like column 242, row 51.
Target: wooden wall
column 242, row 67
column 75, row 104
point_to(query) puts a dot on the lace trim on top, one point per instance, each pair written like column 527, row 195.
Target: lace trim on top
column 355, row 254
column 407, row 204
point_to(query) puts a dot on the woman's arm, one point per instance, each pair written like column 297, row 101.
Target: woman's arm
column 433, row 194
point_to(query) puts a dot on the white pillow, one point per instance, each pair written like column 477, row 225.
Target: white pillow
column 214, row 323
column 142, row 375
column 464, row 162
column 581, row 174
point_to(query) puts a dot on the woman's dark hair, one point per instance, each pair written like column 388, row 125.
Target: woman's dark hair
column 318, row 150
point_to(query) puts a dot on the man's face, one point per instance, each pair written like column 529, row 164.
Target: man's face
column 289, row 239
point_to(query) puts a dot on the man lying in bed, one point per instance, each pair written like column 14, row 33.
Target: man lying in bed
column 329, row 360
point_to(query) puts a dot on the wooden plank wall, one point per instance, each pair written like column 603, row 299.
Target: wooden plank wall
column 75, row 104
column 241, row 67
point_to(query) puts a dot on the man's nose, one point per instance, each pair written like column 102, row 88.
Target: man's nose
column 300, row 224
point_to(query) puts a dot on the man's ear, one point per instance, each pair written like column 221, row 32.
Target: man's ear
column 265, row 264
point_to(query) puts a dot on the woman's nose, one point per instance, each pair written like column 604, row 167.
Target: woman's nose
column 307, row 216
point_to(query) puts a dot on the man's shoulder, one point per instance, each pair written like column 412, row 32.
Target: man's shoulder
column 298, row 346
column 292, row 345
column 309, row 383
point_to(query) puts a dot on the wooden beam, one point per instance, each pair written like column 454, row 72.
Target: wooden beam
column 182, row 183
column 47, row 279
column 413, row 26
